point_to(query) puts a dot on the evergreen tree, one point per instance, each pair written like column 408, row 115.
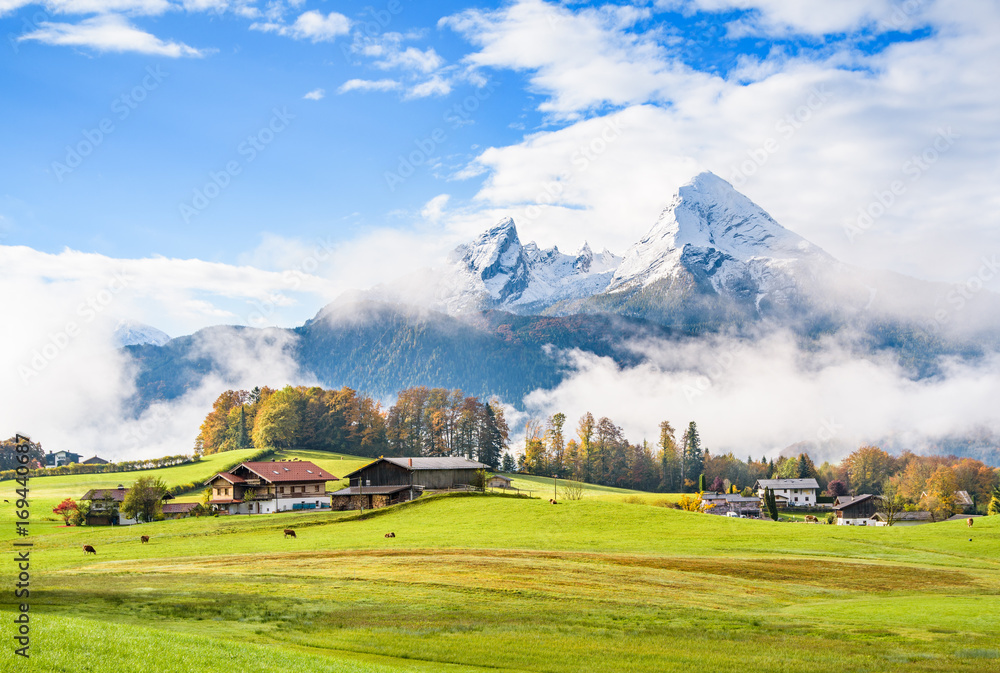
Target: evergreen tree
column 693, row 460
column 508, row 464
column 771, row 504
column 994, row 506
column 701, row 483
column 669, row 460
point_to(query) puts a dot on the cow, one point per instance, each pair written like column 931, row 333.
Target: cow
column 87, row 549
column 144, row 539
column 289, row 531
column 968, row 522
column 811, row 519
column 390, row 535
column 553, row 501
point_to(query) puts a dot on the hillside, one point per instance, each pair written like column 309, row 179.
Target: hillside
column 475, row 582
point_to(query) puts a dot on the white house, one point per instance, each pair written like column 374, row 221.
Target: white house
column 268, row 487
column 797, row 492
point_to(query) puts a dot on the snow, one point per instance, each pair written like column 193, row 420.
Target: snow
column 131, row 333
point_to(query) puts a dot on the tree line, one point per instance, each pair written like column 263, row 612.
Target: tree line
column 422, row 422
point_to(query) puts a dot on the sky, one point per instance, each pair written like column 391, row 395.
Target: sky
column 187, row 163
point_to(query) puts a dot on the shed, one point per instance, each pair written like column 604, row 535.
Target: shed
column 368, row 497
column 498, row 481
column 412, row 475
column 903, row 518
column 178, row 510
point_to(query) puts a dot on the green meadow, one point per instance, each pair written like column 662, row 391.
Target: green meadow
column 476, row 582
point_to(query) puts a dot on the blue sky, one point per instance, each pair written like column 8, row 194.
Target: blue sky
column 249, row 161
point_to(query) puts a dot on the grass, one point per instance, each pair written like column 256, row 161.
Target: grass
column 475, row 582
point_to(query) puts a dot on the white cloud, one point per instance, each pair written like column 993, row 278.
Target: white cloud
column 411, row 58
column 812, row 141
column 311, row 25
column 368, row 85
column 315, row 94
column 435, row 86
column 108, row 33
column 434, row 209
column 761, row 396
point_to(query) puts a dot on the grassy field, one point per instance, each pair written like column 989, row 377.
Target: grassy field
column 474, row 582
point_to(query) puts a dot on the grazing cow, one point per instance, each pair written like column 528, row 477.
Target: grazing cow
column 390, row 535
column 289, row 531
column 87, row 549
column 144, row 539
column 968, row 522
column 811, row 519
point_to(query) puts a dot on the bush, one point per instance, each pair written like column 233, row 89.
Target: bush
column 831, row 518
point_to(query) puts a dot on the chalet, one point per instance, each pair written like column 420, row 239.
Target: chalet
column 856, row 510
column 903, row 519
column 268, row 487
column 796, row 492
column 94, row 460
column 60, row 458
column 388, row 481
column 498, row 481
column 732, row 503
column 105, row 506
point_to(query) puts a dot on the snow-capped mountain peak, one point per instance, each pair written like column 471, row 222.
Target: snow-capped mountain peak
column 709, row 223
column 132, row 333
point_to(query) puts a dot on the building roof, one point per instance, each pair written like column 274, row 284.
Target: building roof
column 95, row 460
column 278, row 471
column 788, row 483
column 288, row 470
column 963, row 498
column 907, row 516
column 179, row 507
column 426, row 463
column 841, row 504
column 371, row 490
column 116, row 494
column 962, row 517
column 500, row 476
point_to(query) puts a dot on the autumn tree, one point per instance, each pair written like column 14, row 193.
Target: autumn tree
column 66, row 509
column 994, row 506
column 670, row 459
column 585, row 432
column 556, row 443
column 868, row 467
column 939, row 494
column 278, row 423
column 891, row 503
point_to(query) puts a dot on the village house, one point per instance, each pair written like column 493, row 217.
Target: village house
column 732, row 503
column 269, row 487
column 856, row 510
column 795, row 492
column 105, row 506
column 388, row 481
column 94, row 460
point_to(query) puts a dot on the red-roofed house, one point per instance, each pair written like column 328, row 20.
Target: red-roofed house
column 268, row 487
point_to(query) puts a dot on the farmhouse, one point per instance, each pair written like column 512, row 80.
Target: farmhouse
column 268, row 487
column 498, row 481
column 388, row 481
column 726, row 503
column 796, row 492
column 856, row 510
column 94, row 460
column 105, row 506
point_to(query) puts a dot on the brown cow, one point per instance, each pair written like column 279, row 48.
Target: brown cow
column 144, row 539
column 553, row 501
column 87, row 549
column 289, row 531
column 811, row 519
column 390, row 535
column 968, row 522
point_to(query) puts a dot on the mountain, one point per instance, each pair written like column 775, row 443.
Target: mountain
column 486, row 320
column 131, row 333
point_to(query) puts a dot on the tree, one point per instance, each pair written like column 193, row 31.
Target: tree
column 994, row 508
column 770, row 504
column 79, row 517
column 891, row 503
column 10, row 456
column 66, row 509
column 585, row 431
column 701, row 483
column 670, row 468
column 557, row 446
column 571, row 490
column 836, row 488
column 868, row 467
column 279, row 420
column 939, row 496
column 692, row 462
column 144, row 500
column 508, row 463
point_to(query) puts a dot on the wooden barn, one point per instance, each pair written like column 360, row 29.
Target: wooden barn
column 856, row 510
column 388, row 481
column 499, row 481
